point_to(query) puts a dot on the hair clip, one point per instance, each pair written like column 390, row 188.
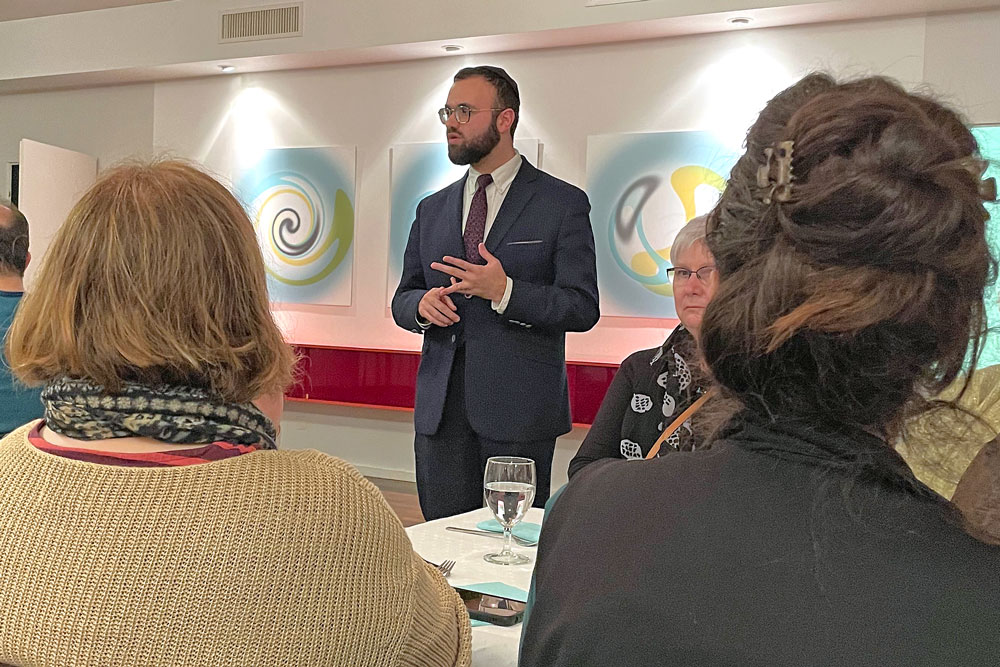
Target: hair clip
column 776, row 173
column 988, row 189
column 977, row 166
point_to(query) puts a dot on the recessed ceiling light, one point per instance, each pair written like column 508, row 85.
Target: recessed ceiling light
column 451, row 48
column 740, row 20
column 227, row 68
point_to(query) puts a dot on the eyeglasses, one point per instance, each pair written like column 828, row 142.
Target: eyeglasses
column 463, row 113
column 680, row 276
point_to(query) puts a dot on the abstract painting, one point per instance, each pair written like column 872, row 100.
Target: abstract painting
column 301, row 202
column 643, row 188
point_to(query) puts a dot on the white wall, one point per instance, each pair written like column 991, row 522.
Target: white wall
column 108, row 123
column 960, row 57
column 186, row 31
column 711, row 81
column 706, row 82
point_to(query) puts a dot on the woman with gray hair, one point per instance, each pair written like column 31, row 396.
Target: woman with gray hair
column 654, row 387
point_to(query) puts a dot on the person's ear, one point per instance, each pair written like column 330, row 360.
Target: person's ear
column 505, row 120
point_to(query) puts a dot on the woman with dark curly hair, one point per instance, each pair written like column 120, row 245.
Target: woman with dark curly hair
column 852, row 258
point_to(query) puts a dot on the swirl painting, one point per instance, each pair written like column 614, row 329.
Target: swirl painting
column 643, row 188
column 301, row 202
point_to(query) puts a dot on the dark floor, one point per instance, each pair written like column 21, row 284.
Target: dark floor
column 402, row 497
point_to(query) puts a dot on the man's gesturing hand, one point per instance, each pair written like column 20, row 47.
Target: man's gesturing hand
column 484, row 280
column 437, row 308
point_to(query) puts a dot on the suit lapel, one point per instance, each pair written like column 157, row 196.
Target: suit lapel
column 521, row 191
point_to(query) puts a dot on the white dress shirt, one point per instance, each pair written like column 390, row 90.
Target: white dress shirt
column 496, row 192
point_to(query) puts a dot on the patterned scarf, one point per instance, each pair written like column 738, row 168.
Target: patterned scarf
column 664, row 386
column 182, row 415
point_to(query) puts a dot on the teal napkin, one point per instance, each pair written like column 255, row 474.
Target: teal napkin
column 524, row 530
column 498, row 589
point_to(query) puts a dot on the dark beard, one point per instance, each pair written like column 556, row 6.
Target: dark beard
column 474, row 150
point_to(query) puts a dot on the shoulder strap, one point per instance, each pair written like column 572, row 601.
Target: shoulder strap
column 676, row 424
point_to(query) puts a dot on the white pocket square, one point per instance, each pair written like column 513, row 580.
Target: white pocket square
column 524, row 242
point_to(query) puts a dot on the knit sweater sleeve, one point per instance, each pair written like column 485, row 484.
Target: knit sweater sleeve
column 439, row 633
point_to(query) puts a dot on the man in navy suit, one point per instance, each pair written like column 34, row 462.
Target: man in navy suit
column 498, row 267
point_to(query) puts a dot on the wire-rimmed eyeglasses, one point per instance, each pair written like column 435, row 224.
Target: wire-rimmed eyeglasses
column 679, row 276
column 463, row 113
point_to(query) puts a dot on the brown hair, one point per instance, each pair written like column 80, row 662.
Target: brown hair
column 507, row 94
column 858, row 296
column 156, row 278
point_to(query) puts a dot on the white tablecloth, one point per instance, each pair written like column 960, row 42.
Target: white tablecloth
column 492, row 646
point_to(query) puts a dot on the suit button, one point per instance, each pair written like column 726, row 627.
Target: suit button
column 453, row 338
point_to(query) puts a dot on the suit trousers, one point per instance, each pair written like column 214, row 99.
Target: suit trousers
column 451, row 463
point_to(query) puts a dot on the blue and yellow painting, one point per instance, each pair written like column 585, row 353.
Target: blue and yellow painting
column 301, row 202
column 643, row 188
column 988, row 138
column 418, row 170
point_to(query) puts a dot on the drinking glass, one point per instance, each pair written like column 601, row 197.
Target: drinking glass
column 509, row 489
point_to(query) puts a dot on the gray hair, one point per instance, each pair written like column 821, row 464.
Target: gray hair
column 690, row 233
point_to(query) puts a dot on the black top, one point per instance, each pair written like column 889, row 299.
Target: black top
column 651, row 388
column 777, row 546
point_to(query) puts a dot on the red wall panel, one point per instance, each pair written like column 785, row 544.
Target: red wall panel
column 387, row 379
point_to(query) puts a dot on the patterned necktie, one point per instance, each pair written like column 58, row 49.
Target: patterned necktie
column 475, row 225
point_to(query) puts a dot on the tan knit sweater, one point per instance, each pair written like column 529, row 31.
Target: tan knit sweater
column 940, row 445
column 269, row 558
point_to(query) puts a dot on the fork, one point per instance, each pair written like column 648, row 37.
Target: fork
column 445, row 567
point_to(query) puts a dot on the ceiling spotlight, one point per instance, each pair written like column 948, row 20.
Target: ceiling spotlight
column 452, row 48
column 740, row 20
column 227, row 68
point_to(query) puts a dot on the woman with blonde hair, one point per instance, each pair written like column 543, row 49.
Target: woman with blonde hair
column 148, row 518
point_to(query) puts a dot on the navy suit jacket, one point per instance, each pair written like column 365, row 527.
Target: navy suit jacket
column 515, row 363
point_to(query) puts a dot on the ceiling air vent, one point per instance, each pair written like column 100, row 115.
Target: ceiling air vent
column 244, row 25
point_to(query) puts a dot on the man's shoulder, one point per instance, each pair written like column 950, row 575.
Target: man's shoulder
column 438, row 199
column 9, row 302
column 559, row 187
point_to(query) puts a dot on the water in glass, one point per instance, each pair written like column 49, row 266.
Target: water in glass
column 509, row 500
column 509, row 489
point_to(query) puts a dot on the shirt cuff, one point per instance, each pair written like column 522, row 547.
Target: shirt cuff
column 422, row 323
column 502, row 306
